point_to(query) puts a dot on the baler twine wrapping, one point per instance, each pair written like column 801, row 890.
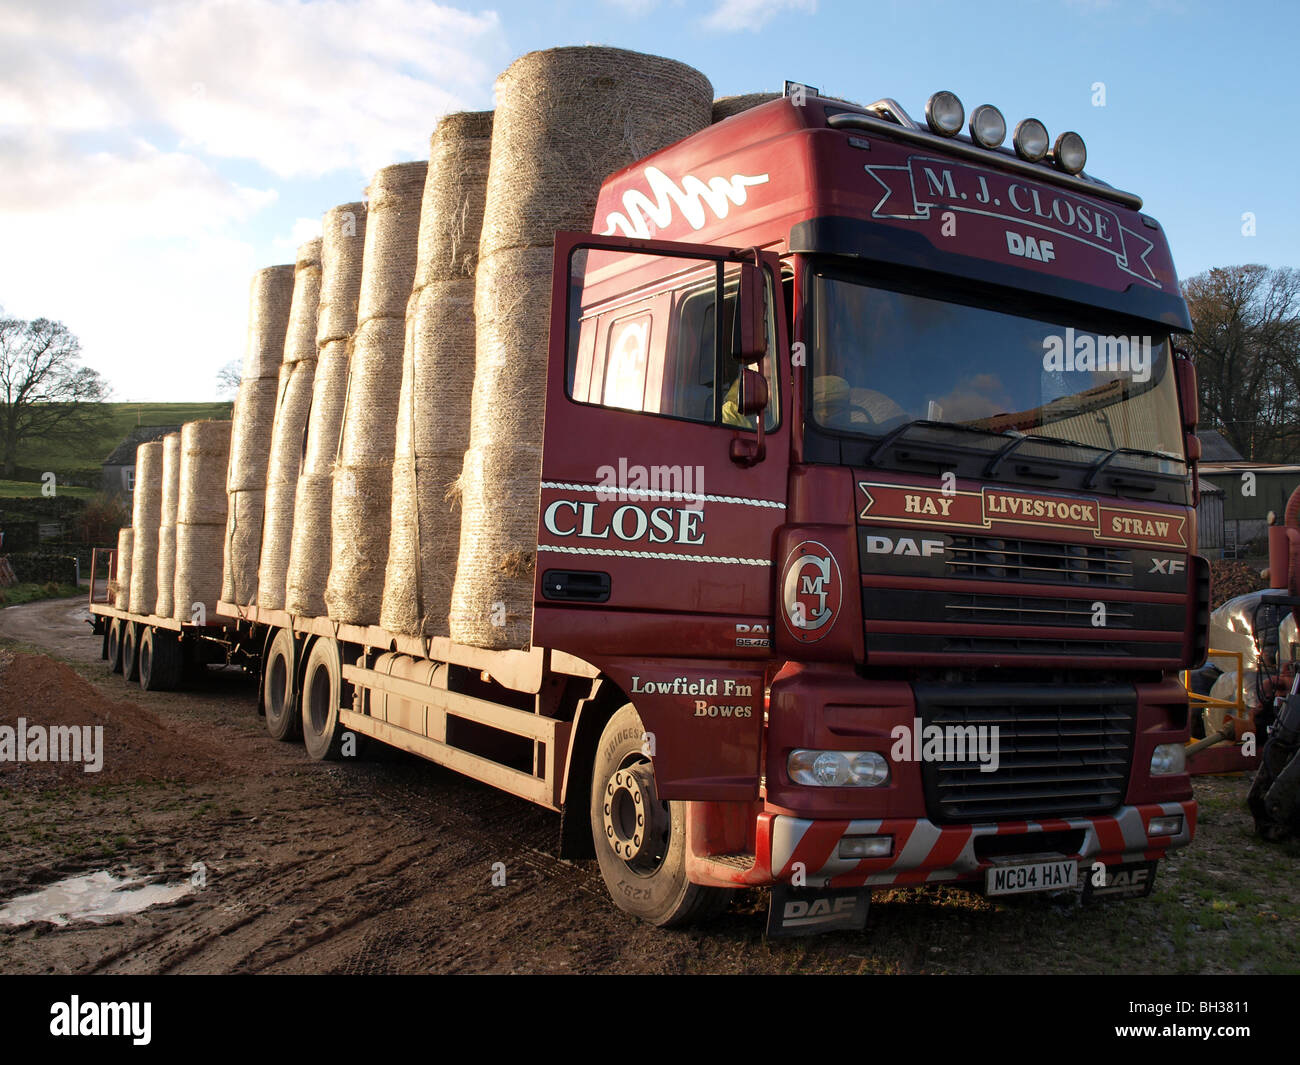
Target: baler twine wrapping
column 434, row 405
column 726, row 106
column 297, row 373
column 146, row 516
column 565, row 119
column 200, row 517
column 362, row 491
column 120, row 589
column 250, row 440
column 342, row 256
column 171, row 485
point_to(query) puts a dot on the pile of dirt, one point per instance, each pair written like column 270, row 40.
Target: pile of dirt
column 1230, row 579
column 38, row 694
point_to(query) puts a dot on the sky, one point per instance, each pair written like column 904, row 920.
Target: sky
column 155, row 153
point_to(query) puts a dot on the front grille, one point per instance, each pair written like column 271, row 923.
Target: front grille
column 998, row 558
column 1061, row 751
column 1026, row 610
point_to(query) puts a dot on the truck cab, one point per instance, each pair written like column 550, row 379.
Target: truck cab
column 868, row 485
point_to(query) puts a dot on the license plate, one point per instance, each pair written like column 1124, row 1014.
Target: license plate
column 1032, row 876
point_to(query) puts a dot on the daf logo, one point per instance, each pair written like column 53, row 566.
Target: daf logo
column 1030, row 247
column 884, row 545
column 1167, row 566
column 811, row 591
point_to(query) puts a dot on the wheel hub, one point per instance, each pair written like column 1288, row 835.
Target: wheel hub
column 635, row 821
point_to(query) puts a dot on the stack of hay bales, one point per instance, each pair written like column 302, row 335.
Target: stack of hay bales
column 201, row 505
column 250, row 441
column 565, row 119
column 146, row 516
column 433, row 409
column 726, row 106
column 297, row 373
column 171, row 483
column 119, row 589
column 342, row 246
column 363, row 475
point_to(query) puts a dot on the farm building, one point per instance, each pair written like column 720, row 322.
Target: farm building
column 119, row 467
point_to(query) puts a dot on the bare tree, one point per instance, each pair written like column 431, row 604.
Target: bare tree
column 1246, row 346
column 228, row 380
column 44, row 390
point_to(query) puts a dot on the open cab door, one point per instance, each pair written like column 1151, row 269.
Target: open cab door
column 664, row 473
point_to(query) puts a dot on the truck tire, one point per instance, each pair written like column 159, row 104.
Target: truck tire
column 322, row 691
column 279, row 694
column 130, row 651
column 641, row 841
column 161, row 659
column 115, row 645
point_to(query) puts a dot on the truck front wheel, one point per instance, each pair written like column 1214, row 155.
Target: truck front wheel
column 640, row 840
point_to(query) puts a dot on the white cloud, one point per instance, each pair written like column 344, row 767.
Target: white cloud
column 731, row 16
column 304, row 229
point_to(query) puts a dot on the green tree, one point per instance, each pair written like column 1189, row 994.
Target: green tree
column 1246, row 346
column 45, row 392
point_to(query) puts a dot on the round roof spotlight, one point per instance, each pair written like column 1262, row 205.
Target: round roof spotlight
column 987, row 126
column 1030, row 140
column 944, row 113
column 1070, row 153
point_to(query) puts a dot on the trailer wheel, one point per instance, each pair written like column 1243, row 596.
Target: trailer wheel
column 640, row 840
column 115, row 645
column 130, row 650
column 161, row 660
column 278, row 694
column 322, row 691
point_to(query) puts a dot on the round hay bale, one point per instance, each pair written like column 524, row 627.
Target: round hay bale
column 496, row 610
column 146, row 516
column 171, row 485
column 565, row 119
column 309, row 558
column 121, row 586
column 201, row 518
column 726, row 106
column 250, row 439
column 343, row 243
column 432, row 435
column 297, row 374
column 362, row 483
column 392, row 236
column 451, row 213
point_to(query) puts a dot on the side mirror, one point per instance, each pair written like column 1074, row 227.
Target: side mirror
column 753, row 392
column 749, row 340
column 752, row 401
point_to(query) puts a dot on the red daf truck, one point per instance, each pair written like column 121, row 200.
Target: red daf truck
column 866, row 539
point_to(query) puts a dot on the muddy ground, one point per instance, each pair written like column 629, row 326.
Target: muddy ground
column 385, row 864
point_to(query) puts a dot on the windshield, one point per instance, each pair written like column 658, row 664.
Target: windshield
column 885, row 359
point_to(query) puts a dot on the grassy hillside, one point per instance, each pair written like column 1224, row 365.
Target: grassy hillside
column 81, row 457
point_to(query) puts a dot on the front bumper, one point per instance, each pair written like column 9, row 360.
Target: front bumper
column 789, row 848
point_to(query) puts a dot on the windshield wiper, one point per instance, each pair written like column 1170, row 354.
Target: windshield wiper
column 907, row 427
column 1095, row 470
column 1015, row 442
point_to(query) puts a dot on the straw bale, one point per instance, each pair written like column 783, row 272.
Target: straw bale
column 343, row 242
column 121, row 587
column 201, row 517
column 146, row 516
column 726, row 106
column 171, row 484
column 451, row 213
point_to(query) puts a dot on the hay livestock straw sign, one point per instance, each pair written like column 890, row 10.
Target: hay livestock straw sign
column 916, row 505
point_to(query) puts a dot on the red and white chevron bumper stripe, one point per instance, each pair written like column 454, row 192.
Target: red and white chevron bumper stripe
column 924, row 852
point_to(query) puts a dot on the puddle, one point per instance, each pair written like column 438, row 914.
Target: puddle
column 95, row 897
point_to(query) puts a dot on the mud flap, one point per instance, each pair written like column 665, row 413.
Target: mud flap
column 811, row 911
column 1123, row 880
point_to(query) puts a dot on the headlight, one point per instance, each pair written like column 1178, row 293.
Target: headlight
column 1070, row 153
column 1030, row 140
column 838, row 769
column 944, row 113
column 1168, row 758
column 1165, row 826
column 987, row 126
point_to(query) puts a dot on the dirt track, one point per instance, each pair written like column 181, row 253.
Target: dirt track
column 385, row 864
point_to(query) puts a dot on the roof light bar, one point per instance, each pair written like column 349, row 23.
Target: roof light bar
column 987, row 126
column 944, row 113
column 1030, row 140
